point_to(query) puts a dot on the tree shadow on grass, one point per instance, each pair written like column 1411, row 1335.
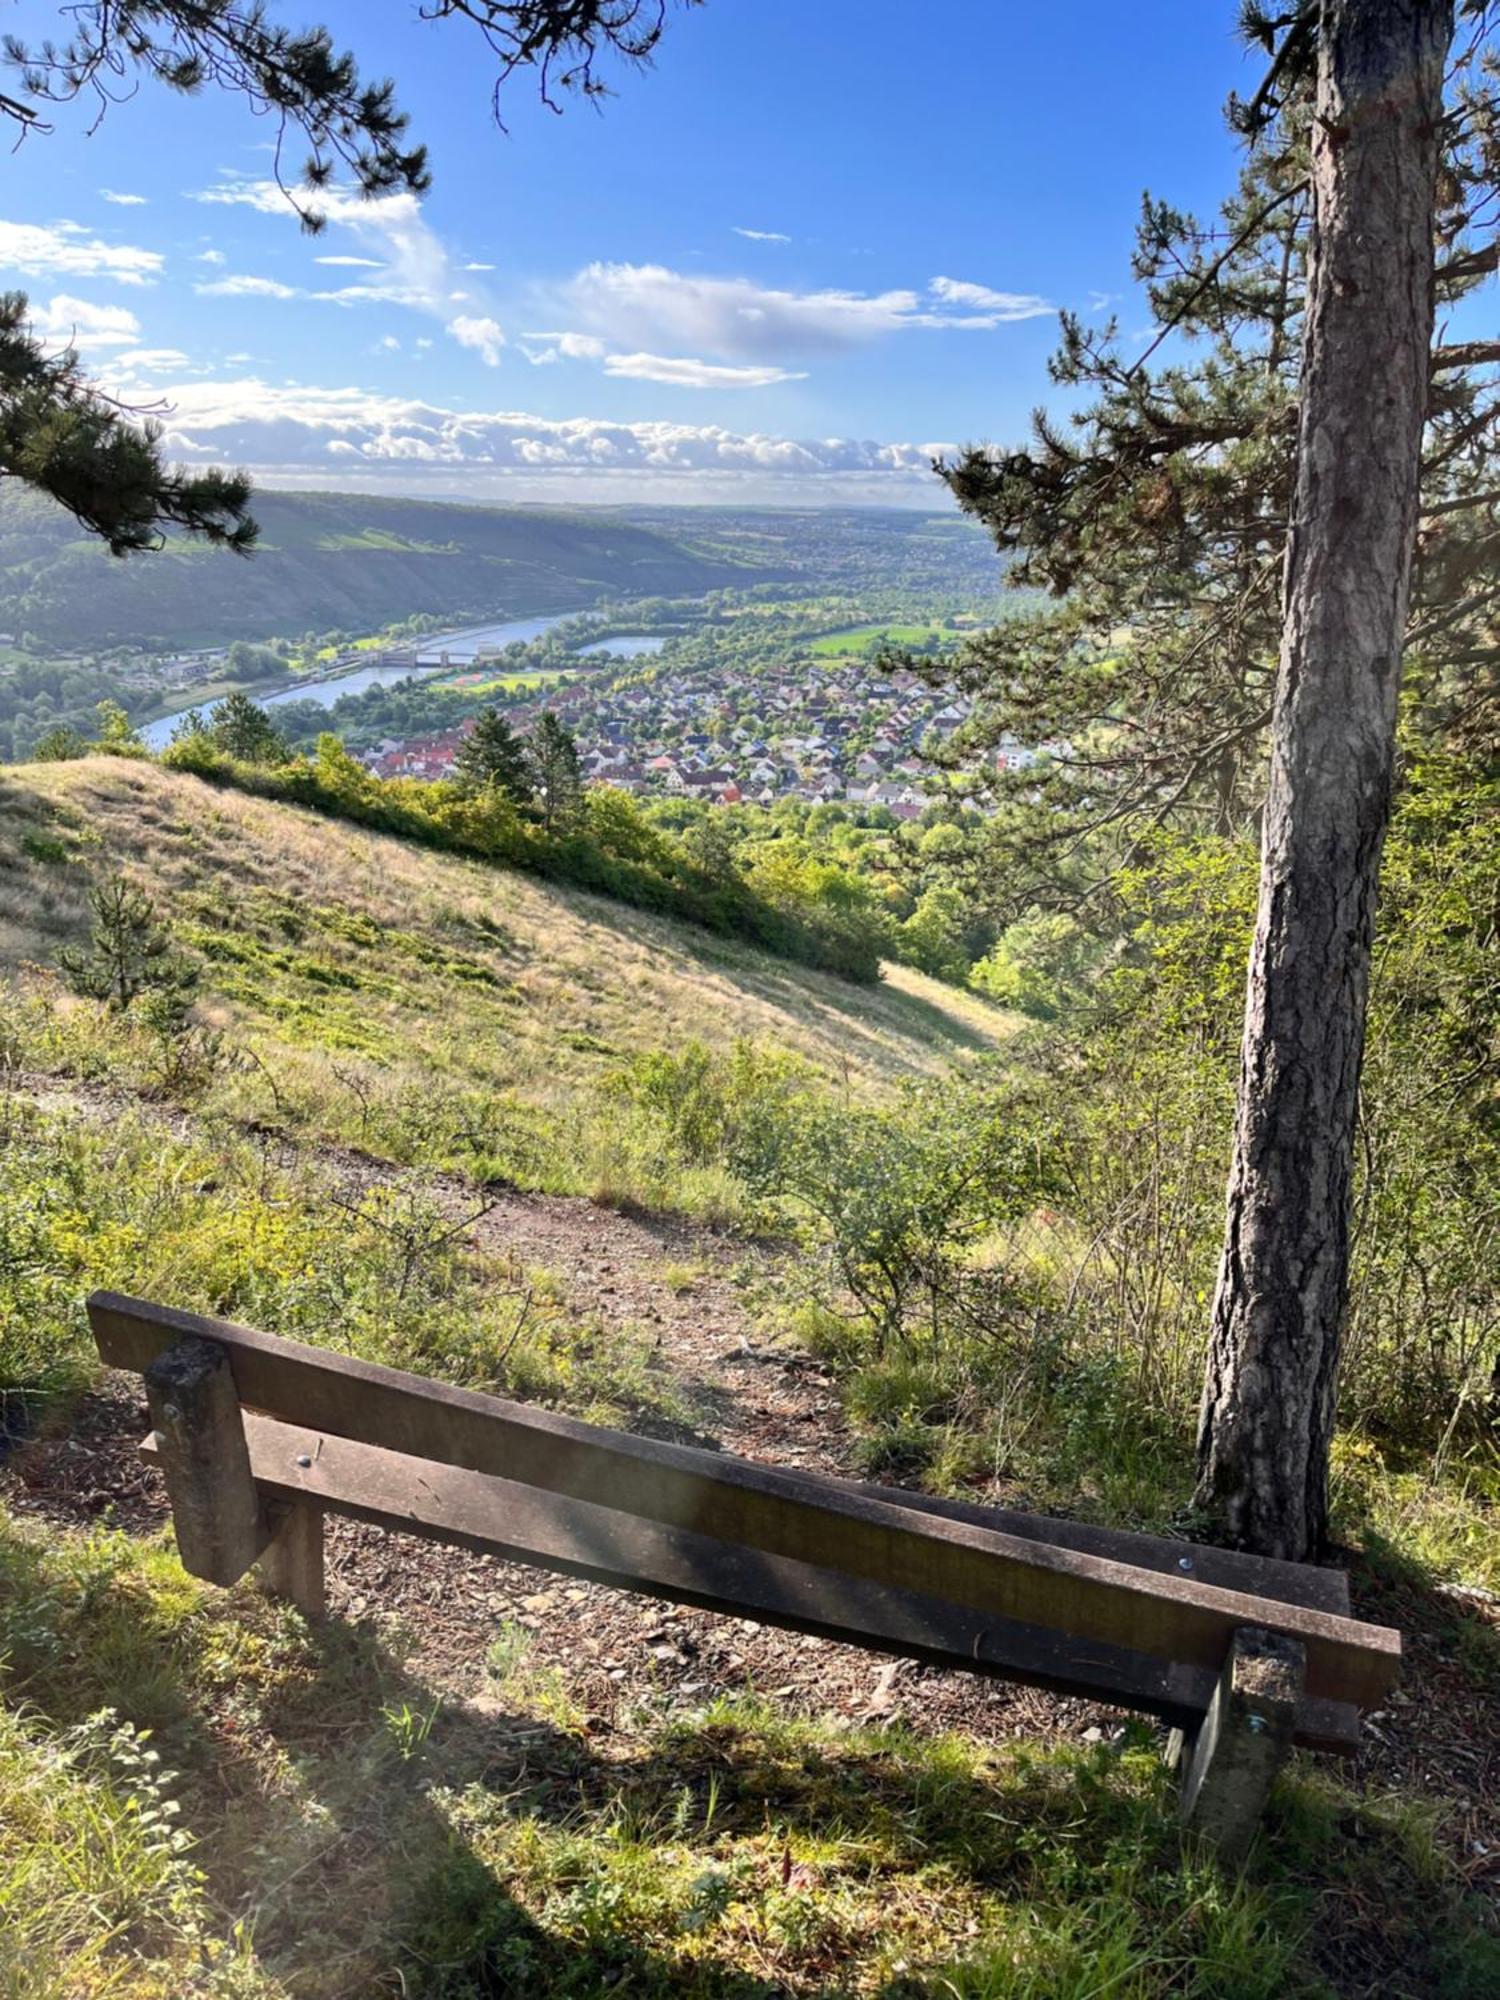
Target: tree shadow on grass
column 374, row 1838
column 1445, row 1628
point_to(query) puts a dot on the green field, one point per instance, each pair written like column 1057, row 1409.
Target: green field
column 488, row 683
column 857, row 637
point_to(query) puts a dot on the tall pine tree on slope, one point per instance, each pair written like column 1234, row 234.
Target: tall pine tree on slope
column 1269, row 1395
column 1155, row 518
column 552, row 753
column 1313, row 395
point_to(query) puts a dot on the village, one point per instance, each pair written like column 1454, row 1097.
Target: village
column 848, row 731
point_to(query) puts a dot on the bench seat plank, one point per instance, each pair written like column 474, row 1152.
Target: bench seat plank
column 1231, row 1569
column 1084, row 1598
column 497, row 1516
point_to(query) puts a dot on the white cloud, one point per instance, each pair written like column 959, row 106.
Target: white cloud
column 762, row 235
column 389, row 344
column 389, row 443
column 564, row 346
column 483, row 335
column 123, row 200
column 1002, row 305
column 212, row 257
column 243, row 285
column 683, row 373
column 80, row 323
column 471, row 266
column 411, row 265
column 151, row 360
column 66, row 248
column 407, row 263
column 648, row 306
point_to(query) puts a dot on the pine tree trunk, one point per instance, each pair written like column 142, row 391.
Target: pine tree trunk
column 1268, row 1398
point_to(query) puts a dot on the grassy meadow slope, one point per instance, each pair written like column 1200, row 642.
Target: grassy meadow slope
column 475, row 1780
column 393, row 996
column 334, row 560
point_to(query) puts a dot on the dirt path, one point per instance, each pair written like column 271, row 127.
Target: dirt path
column 445, row 1609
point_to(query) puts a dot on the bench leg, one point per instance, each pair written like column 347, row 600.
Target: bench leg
column 292, row 1565
column 1229, row 1762
column 200, row 1440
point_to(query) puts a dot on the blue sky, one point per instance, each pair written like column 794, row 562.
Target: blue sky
column 818, row 238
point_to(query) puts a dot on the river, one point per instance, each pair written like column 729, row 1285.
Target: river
column 624, row 645
column 461, row 647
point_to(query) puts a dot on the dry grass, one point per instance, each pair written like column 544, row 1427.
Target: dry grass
column 579, row 963
column 373, row 979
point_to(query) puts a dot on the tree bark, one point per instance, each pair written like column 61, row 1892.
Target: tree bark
column 1268, row 1400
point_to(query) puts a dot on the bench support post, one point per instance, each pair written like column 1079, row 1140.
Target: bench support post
column 195, row 1412
column 1230, row 1760
column 292, row 1565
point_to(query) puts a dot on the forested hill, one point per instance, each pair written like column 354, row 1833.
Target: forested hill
column 335, row 561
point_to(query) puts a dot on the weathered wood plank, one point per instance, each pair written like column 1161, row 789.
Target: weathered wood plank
column 216, row 1512
column 1086, row 1598
column 496, row 1516
column 1230, row 1569
column 1290, row 1583
column 1322, row 1724
column 1231, row 1760
column 292, row 1565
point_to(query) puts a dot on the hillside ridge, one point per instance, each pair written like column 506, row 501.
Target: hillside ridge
column 337, row 561
column 319, row 936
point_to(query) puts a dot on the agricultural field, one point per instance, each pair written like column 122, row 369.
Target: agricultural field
column 485, row 681
column 835, row 645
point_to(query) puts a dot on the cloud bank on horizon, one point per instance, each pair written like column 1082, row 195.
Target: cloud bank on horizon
column 302, row 435
column 698, row 336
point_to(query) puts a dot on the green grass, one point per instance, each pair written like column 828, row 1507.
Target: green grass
column 383, row 538
column 481, row 682
column 857, row 637
column 433, row 1010
column 199, row 1795
column 126, row 1203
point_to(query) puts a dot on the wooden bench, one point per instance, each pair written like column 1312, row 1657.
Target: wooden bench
column 259, row 1437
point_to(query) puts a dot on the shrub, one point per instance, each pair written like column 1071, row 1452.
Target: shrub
column 711, row 1103
column 1041, row 965
column 818, row 920
column 130, row 953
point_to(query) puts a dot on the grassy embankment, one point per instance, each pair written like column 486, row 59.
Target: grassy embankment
column 440, row 1011
column 324, row 1824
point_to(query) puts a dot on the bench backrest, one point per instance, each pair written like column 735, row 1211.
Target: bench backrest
column 1126, row 1617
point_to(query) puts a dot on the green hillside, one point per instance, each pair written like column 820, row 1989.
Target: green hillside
column 331, row 561
column 429, row 1111
column 390, row 988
